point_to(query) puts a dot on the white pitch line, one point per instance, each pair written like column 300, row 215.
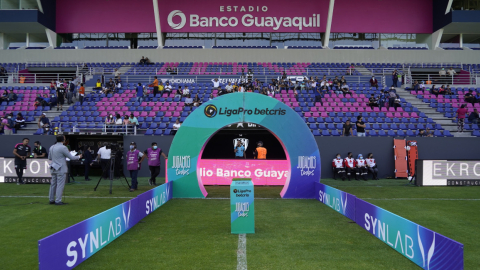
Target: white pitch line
column 418, row 199
column 73, row 197
column 242, row 252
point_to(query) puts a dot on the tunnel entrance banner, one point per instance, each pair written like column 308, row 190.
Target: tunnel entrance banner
column 303, row 155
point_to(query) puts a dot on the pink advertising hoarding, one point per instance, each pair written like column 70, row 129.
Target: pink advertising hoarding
column 268, row 16
column 262, row 172
column 387, row 16
column 244, row 16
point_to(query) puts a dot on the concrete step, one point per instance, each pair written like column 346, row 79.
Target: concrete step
column 462, row 134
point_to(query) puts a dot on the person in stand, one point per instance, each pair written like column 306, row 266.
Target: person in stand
column 58, row 168
column 372, row 101
column 260, row 152
column 395, row 78
column 361, row 168
column 19, row 121
column 140, row 90
column 347, row 129
column 473, row 117
column 61, row 97
column 109, row 123
column 239, row 150
column 469, row 97
column 8, row 124
column 70, row 90
column 338, row 165
column 39, row 151
column 44, row 123
column 360, row 127
column 372, row 166
column 81, row 92
column 154, row 165
column 88, row 160
column 374, row 82
column 134, row 161
column 176, row 126
column 155, row 86
column 168, row 88
column 461, row 112
column 104, row 155
column 350, row 165
column 98, row 85
column 21, row 152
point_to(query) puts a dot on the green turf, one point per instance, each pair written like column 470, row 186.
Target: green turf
column 195, row 233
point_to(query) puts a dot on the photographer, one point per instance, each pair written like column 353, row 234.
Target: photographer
column 104, row 155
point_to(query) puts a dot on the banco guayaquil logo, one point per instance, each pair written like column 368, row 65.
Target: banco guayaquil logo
column 210, row 111
column 183, row 19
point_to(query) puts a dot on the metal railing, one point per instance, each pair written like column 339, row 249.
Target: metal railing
column 53, row 64
column 223, row 79
column 443, row 80
column 42, row 77
column 119, row 129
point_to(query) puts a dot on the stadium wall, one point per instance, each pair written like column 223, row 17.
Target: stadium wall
column 241, row 55
column 382, row 148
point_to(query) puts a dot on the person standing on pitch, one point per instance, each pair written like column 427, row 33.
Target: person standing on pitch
column 88, row 160
column 133, row 164
column 260, row 152
column 21, row 152
column 239, row 150
column 58, row 168
column 153, row 155
column 39, row 151
column 104, row 155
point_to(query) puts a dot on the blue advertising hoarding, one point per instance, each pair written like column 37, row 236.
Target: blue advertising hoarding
column 342, row 202
column 70, row 247
column 426, row 248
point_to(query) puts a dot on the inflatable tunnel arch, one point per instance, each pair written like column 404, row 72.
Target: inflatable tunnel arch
column 291, row 130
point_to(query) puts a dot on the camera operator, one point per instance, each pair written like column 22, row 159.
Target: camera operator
column 39, row 151
column 104, row 155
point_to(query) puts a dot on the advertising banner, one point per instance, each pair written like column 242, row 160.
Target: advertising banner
column 342, row 202
column 36, row 169
column 248, row 16
column 68, row 248
column 422, row 246
column 242, row 209
column 262, row 172
column 448, row 173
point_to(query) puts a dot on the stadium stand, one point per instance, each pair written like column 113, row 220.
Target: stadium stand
column 244, row 47
column 304, row 47
column 183, row 47
column 407, row 48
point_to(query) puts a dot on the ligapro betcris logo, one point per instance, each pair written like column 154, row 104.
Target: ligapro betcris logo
column 183, row 19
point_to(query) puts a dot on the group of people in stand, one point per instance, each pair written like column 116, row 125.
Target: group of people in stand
column 359, row 167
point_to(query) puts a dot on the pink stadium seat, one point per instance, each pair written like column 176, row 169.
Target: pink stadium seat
column 389, row 114
column 413, row 114
column 384, row 109
column 315, row 114
column 308, row 114
column 168, row 114
column 324, row 114
column 143, row 114
column 314, row 109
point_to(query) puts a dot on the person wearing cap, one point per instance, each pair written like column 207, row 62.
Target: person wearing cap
column 361, row 169
column 39, row 151
column 338, row 165
column 260, row 152
column 153, row 155
column 134, row 161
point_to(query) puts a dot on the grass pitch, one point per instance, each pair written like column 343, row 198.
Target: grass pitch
column 195, row 233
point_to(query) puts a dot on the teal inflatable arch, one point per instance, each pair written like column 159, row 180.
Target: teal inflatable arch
column 286, row 124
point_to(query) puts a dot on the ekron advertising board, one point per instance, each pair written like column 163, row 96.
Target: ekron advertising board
column 448, row 173
column 249, row 16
